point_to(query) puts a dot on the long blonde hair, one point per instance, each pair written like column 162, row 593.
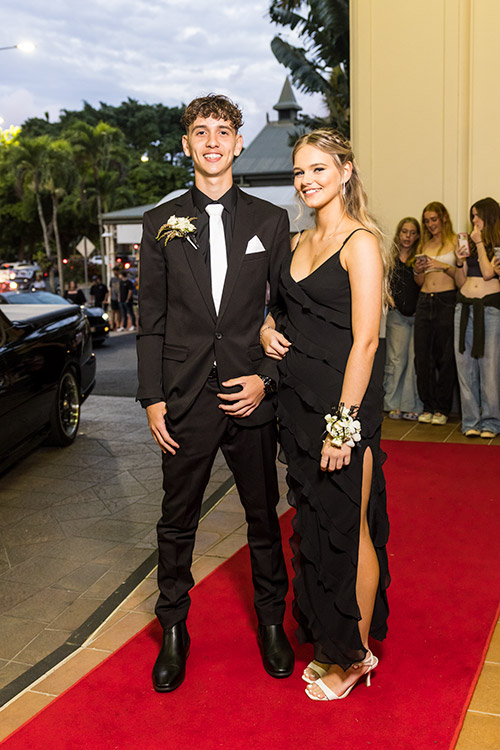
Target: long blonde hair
column 396, row 247
column 448, row 233
column 355, row 200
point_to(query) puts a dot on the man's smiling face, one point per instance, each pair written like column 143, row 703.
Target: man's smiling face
column 212, row 144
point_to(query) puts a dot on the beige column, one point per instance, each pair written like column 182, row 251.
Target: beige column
column 426, row 104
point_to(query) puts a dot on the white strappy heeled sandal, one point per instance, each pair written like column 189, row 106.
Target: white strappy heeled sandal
column 314, row 667
column 370, row 662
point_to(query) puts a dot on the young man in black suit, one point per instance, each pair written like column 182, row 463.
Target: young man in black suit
column 203, row 378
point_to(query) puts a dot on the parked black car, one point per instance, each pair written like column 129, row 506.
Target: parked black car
column 98, row 319
column 47, row 369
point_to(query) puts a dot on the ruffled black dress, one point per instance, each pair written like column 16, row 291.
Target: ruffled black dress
column 317, row 320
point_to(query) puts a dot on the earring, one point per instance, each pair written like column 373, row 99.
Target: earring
column 343, row 191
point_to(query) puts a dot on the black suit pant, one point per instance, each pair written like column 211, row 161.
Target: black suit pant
column 250, row 453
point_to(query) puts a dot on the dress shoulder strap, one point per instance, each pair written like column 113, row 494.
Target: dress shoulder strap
column 298, row 240
column 359, row 229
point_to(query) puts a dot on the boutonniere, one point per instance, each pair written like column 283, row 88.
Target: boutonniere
column 177, row 226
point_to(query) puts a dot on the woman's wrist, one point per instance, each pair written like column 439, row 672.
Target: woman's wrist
column 265, row 328
column 343, row 427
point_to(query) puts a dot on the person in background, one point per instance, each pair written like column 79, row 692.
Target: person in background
column 126, row 302
column 435, row 262
column 400, row 379
column 477, row 324
column 114, row 299
column 39, row 283
column 99, row 293
column 74, row 294
column 495, row 263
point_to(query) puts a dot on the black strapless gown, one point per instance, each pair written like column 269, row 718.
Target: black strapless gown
column 325, row 542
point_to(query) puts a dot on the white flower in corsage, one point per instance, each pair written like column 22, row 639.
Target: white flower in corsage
column 342, row 427
column 177, row 226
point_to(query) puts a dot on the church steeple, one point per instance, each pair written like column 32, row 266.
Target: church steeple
column 287, row 105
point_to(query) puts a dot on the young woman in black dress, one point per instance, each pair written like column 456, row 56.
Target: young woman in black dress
column 326, row 336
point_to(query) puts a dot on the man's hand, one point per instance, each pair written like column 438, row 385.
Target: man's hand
column 245, row 401
column 273, row 342
column 156, row 421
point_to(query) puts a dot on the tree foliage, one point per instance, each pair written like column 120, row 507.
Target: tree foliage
column 322, row 64
column 56, row 179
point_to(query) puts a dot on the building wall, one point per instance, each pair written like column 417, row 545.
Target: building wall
column 426, row 104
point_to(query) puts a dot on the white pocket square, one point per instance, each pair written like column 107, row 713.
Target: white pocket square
column 255, row 246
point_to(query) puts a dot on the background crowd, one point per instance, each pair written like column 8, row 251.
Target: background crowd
column 444, row 325
column 118, row 298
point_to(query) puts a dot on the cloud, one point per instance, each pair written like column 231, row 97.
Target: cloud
column 155, row 51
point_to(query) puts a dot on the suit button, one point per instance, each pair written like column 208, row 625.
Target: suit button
column 218, row 335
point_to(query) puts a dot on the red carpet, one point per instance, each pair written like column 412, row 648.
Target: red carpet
column 444, row 598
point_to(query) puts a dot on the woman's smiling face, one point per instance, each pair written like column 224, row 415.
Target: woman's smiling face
column 316, row 176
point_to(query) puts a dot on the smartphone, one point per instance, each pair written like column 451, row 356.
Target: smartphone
column 421, row 257
column 496, row 252
column 463, row 244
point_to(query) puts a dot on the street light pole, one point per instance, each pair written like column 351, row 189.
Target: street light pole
column 23, row 46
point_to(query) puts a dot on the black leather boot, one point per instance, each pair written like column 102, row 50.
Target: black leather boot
column 170, row 667
column 277, row 654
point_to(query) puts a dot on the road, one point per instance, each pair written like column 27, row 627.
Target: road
column 116, row 366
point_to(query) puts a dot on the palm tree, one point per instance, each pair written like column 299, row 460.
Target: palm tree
column 322, row 65
column 30, row 158
column 98, row 149
column 59, row 180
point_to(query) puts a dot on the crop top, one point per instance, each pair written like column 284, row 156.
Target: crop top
column 473, row 268
column 450, row 258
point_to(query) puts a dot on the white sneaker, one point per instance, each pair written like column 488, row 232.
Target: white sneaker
column 425, row 417
column 439, row 418
column 132, row 328
column 120, row 329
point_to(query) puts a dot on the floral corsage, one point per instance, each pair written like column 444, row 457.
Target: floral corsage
column 177, row 226
column 342, row 427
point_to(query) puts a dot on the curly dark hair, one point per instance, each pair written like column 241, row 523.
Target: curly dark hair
column 213, row 105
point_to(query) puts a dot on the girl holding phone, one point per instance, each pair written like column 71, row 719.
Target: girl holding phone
column 435, row 269
column 477, row 324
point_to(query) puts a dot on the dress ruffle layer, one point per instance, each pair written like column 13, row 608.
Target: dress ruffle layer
column 325, row 542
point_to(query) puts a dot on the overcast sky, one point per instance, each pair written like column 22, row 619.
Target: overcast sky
column 166, row 51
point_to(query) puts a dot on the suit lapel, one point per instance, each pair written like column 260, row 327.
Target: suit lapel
column 194, row 256
column 242, row 233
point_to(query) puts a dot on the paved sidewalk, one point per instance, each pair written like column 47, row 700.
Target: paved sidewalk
column 74, row 524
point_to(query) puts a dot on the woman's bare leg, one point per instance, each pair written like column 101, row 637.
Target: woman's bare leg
column 367, row 579
column 368, row 568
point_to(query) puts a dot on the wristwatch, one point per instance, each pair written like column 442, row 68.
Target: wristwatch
column 269, row 384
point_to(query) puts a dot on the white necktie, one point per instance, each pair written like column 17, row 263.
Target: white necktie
column 218, row 256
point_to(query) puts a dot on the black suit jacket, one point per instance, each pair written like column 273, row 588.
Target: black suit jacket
column 180, row 335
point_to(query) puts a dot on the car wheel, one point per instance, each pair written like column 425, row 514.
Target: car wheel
column 65, row 416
